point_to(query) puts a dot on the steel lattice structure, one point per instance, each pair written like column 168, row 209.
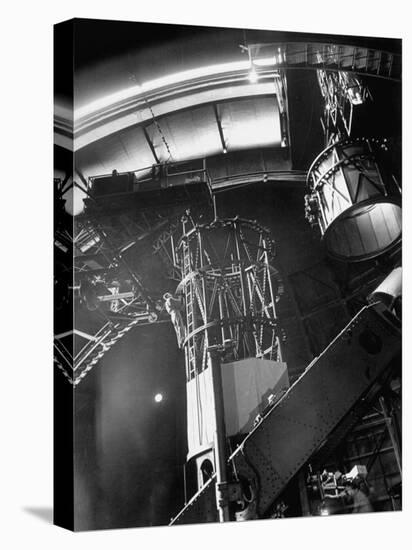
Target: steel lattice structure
column 229, row 300
column 103, row 248
column 360, row 60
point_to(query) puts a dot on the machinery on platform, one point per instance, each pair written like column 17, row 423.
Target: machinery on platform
column 126, row 216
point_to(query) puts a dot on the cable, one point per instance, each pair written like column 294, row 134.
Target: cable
column 159, row 129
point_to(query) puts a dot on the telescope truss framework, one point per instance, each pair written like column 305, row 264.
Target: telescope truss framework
column 227, row 288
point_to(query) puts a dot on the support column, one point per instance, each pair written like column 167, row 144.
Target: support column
column 219, row 435
column 303, row 493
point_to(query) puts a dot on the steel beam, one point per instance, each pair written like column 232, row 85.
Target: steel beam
column 151, row 146
column 219, row 127
column 308, row 414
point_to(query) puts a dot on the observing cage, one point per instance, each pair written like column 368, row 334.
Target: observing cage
column 228, row 293
column 355, row 199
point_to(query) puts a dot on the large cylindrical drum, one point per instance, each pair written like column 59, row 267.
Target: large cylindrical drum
column 355, row 199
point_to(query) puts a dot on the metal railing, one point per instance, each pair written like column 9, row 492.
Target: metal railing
column 163, row 176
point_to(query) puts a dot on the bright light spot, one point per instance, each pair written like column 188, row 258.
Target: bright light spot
column 253, row 76
column 324, row 512
column 158, row 397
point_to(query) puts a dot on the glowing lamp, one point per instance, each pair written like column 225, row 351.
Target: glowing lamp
column 158, row 398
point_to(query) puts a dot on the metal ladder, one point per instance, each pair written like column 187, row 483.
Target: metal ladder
column 189, row 310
